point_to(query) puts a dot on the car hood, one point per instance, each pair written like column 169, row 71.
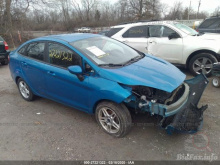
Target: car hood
column 149, row 71
column 210, row 36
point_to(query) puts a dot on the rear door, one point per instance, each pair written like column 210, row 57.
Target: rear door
column 161, row 46
column 63, row 86
column 136, row 37
column 33, row 66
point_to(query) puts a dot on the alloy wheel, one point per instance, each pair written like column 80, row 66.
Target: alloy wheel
column 202, row 65
column 24, row 89
column 109, row 120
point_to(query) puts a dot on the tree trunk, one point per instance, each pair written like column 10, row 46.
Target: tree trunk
column 8, row 14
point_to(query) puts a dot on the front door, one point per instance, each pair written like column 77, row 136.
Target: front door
column 63, row 86
column 161, row 46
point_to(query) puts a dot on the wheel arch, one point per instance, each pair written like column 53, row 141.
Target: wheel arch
column 99, row 101
column 102, row 100
column 197, row 52
column 16, row 79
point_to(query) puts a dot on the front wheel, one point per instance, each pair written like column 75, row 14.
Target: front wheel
column 115, row 119
column 202, row 63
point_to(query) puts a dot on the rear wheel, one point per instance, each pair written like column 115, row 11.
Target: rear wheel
column 115, row 119
column 216, row 82
column 25, row 90
column 202, row 63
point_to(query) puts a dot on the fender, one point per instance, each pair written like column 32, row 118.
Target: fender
column 110, row 91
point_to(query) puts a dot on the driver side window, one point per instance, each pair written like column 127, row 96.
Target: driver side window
column 61, row 56
column 160, row 31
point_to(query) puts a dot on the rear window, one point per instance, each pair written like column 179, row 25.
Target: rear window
column 22, row 50
column 136, row 32
column 210, row 23
column 113, row 31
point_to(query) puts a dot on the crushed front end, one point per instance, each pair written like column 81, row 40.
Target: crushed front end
column 179, row 109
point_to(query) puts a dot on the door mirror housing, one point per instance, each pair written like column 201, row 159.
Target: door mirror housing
column 173, row 35
column 77, row 70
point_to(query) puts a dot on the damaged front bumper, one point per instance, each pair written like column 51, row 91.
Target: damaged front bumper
column 182, row 115
column 189, row 117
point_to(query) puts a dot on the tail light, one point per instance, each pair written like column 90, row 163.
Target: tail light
column 6, row 45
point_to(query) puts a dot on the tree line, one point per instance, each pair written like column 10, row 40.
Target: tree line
column 66, row 15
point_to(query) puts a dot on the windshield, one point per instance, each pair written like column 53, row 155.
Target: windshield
column 186, row 29
column 103, row 50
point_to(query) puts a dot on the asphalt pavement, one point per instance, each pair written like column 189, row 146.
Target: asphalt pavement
column 46, row 130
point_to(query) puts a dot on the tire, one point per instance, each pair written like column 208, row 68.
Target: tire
column 202, row 62
column 4, row 62
column 25, row 90
column 216, row 82
column 114, row 119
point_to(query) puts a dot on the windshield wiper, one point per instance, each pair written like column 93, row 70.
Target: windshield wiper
column 134, row 59
column 111, row 65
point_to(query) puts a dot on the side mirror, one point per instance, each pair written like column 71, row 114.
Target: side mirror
column 77, row 70
column 173, row 35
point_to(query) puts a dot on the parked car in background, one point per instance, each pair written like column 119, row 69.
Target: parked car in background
column 4, row 52
column 210, row 25
column 173, row 42
column 84, row 30
column 105, row 77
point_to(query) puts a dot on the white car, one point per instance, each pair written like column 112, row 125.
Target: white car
column 84, row 30
column 171, row 41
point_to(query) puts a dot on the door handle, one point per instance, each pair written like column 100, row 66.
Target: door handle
column 152, row 42
column 51, row 73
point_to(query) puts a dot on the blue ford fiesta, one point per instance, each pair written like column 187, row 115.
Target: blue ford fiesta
column 103, row 76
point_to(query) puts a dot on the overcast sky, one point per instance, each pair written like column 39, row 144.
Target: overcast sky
column 206, row 5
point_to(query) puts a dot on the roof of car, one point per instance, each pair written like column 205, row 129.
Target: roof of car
column 69, row 37
column 144, row 23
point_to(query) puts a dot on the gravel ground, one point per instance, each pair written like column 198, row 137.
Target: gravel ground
column 46, row 130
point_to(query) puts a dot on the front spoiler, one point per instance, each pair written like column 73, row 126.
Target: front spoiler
column 189, row 118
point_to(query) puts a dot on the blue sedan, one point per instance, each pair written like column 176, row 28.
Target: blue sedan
column 99, row 75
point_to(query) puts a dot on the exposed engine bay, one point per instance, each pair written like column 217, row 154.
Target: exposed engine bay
column 158, row 96
column 179, row 108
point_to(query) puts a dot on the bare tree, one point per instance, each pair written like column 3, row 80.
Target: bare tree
column 77, row 7
column 163, row 9
column 175, row 12
column 152, row 9
column 217, row 11
column 88, row 5
column 8, row 14
column 137, row 7
column 198, row 9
